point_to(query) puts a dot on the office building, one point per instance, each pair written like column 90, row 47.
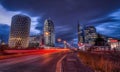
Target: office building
column 49, row 35
column 19, row 32
column 90, row 35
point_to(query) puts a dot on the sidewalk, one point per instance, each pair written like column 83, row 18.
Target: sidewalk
column 71, row 63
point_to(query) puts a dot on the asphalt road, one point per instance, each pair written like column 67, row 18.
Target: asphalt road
column 31, row 63
column 72, row 63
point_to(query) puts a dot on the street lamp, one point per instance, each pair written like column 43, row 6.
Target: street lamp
column 64, row 42
column 59, row 40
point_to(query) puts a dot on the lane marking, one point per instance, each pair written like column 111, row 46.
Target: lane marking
column 59, row 64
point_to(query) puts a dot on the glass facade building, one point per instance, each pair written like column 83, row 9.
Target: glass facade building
column 49, row 35
column 19, row 32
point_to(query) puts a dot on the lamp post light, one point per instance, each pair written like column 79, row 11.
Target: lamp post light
column 65, row 44
column 59, row 40
column 62, row 41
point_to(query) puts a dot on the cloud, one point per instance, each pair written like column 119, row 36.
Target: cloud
column 4, row 32
column 67, row 12
column 111, row 25
column 115, row 15
column 5, row 18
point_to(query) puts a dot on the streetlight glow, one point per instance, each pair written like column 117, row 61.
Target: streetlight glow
column 59, row 40
column 64, row 42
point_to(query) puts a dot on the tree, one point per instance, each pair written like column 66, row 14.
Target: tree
column 100, row 41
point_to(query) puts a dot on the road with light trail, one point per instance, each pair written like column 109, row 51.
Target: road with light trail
column 32, row 63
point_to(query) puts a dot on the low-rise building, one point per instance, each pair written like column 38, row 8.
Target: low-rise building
column 34, row 41
column 114, row 43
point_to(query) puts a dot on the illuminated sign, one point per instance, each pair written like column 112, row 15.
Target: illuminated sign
column 113, row 40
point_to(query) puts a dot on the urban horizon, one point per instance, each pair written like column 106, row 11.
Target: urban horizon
column 66, row 25
column 55, row 32
column 59, row 36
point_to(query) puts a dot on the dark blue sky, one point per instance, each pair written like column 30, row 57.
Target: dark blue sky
column 103, row 14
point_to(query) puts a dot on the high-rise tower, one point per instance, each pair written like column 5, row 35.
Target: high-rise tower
column 49, row 35
column 20, row 29
column 80, row 34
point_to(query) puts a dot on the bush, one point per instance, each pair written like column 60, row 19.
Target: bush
column 101, row 62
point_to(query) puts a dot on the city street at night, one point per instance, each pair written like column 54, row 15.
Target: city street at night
column 32, row 63
column 59, row 35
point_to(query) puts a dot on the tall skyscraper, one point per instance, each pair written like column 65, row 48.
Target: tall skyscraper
column 20, row 29
column 49, row 35
column 80, row 34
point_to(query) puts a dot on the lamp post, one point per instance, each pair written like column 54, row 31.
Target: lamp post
column 59, row 40
column 65, row 44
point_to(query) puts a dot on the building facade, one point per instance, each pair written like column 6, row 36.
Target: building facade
column 19, row 32
column 90, row 35
column 34, row 41
column 114, row 43
column 41, row 44
column 86, row 35
column 49, row 35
